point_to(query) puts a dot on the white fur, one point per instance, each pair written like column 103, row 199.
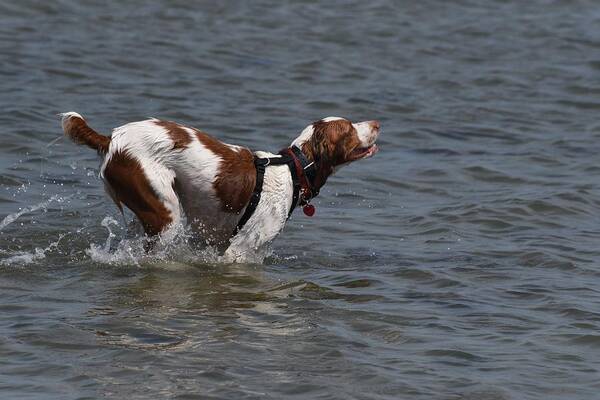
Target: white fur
column 305, row 135
column 65, row 117
column 366, row 133
column 308, row 132
column 329, row 119
column 269, row 218
column 150, row 145
column 195, row 168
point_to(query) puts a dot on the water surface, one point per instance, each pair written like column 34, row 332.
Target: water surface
column 461, row 262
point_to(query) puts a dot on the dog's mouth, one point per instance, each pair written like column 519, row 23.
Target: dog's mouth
column 363, row 152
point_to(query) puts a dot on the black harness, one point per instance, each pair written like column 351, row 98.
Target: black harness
column 303, row 174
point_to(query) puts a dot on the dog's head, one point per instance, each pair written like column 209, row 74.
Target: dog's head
column 334, row 142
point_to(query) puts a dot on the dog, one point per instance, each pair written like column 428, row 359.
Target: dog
column 236, row 200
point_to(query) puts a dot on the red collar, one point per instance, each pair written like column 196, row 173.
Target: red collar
column 305, row 172
column 306, row 190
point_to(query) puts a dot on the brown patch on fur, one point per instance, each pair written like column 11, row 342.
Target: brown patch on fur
column 330, row 145
column 236, row 175
column 181, row 138
column 130, row 186
column 79, row 131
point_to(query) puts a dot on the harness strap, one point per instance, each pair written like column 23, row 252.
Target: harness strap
column 288, row 157
column 260, row 164
column 296, row 185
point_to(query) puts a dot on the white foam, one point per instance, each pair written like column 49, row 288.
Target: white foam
column 172, row 250
column 125, row 246
column 25, row 257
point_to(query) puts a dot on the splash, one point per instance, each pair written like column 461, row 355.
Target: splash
column 26, row 258
column 38, row 253
column 123, row 246
column 174, row 247
column 124, row 254
column 9, row 219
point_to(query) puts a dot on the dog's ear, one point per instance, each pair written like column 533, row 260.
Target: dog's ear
column 319, row 143
column 322, row 152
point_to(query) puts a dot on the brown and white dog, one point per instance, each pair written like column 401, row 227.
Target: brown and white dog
column 160, row 169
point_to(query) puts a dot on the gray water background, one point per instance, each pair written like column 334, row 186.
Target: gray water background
column 461, row 262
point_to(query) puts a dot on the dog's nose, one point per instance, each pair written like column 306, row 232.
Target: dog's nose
column 374, row 125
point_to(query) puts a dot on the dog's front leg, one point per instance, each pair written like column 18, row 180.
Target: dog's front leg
column 251, row 243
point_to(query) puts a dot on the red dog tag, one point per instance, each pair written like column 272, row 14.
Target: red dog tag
column 309, row 210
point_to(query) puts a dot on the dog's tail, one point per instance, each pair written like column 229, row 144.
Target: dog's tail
column 78, row 130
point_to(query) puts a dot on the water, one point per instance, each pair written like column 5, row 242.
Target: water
column 461, row 262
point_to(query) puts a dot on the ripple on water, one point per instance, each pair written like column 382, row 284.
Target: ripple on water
column 441, row 354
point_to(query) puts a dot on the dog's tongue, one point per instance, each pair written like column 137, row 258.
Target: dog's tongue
column 309, row 210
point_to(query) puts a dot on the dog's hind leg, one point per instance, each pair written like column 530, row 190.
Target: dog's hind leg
column 151, row 198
